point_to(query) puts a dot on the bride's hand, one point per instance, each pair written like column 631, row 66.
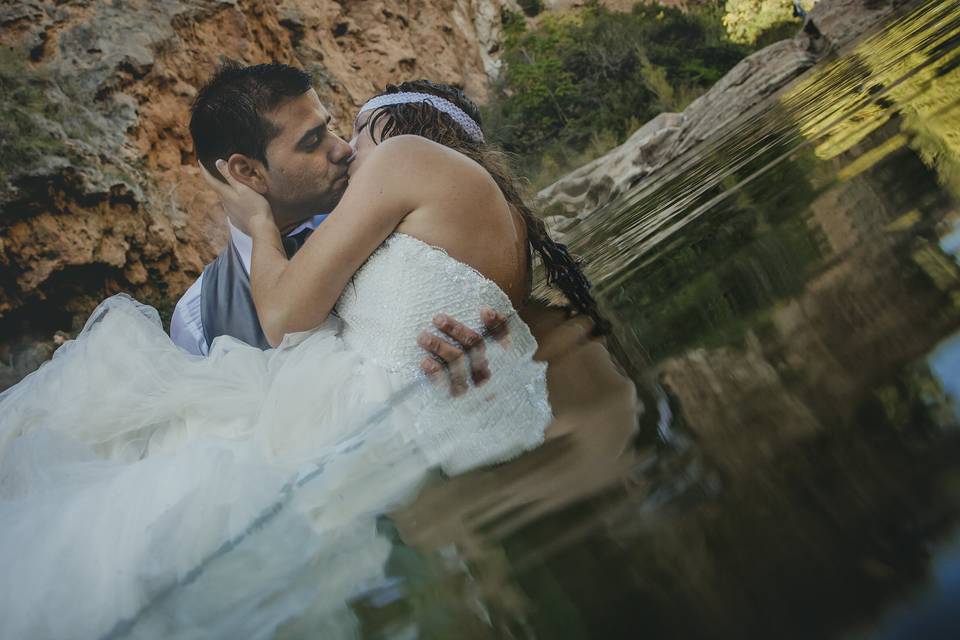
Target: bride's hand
column 242, row 204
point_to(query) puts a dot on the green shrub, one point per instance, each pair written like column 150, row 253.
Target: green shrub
column 581, row 82
column 25, row 137
column 748, row 20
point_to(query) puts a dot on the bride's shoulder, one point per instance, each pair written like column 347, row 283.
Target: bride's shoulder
column 415, row 161
column 415, row 150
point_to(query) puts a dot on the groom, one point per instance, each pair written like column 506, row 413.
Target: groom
column 268, row 123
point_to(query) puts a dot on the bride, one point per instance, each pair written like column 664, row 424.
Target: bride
column 145, row 492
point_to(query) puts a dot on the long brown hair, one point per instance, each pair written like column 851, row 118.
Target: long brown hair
column 419, row 118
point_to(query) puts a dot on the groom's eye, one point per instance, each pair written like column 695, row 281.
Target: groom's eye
column 314, row 141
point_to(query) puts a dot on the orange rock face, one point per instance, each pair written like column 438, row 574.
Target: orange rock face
column 114, row 202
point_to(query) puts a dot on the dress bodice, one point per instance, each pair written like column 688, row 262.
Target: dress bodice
column 394, row 297
column 398, row 291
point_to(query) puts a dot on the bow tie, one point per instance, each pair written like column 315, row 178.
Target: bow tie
column 292, row 244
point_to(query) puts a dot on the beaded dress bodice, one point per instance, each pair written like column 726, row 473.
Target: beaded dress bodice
column 394, row 297
column 398, row 291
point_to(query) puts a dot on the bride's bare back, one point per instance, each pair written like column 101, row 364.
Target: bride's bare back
column 464, row 213
column 460, row 209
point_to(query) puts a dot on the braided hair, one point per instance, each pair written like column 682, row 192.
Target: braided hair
column 562, row 269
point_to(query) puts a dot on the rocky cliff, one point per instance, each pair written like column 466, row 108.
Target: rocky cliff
column 98, row 188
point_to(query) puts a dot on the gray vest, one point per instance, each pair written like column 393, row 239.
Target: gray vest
column 226, row 302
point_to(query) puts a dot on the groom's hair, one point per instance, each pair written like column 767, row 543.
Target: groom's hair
column 229, row 113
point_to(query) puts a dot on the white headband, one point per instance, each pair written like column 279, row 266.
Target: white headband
column 440, row 104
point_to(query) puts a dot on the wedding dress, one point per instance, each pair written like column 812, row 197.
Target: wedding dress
column 148, row 493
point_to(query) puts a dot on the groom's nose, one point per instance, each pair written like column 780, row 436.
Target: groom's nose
column 341, row 152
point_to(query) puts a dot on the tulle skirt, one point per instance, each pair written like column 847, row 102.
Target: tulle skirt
column 145, row 492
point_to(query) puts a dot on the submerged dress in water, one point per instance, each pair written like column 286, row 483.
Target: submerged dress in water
column 148, row 493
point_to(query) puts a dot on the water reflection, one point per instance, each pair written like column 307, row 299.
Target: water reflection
column 784, row 301
column 776, row 453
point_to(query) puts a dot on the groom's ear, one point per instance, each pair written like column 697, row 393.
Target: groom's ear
column 248, row 171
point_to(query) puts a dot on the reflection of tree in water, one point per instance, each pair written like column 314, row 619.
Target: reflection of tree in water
column 706, row 285
column 904, row 73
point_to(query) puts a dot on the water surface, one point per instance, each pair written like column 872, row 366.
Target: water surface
column 786, row 300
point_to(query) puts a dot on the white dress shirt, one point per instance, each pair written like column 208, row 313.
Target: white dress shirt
column 186, row 327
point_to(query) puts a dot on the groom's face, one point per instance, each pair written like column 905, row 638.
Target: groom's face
column 308, row 163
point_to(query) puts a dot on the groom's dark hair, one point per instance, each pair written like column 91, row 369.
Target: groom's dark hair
column 228, row 114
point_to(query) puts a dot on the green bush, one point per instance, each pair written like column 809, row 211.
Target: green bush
column 41, row 118
column 24, row 136
column 581, row 82
column 748, row 21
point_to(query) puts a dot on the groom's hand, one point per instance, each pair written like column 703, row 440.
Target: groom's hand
column 470, row 357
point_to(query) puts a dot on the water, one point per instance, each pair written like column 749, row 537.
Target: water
column 777, row 453
column 786, row 300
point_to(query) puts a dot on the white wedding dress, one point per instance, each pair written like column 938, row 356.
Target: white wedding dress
column 148, row 493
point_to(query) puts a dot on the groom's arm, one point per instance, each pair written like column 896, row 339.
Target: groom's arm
column 466, row 355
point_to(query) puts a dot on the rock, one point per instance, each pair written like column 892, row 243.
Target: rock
column 98, row 188
column 842, row 21
column 23, row 356
column 583, row 190
column 745, row 86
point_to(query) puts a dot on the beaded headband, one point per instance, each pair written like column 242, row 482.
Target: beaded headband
column 440, row 104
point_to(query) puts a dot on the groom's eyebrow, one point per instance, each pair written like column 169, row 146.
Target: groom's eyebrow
column 319, row 130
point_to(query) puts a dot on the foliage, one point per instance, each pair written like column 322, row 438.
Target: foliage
column 25, row 136
column 748, row 20
column 42, row 118
column 579, row 83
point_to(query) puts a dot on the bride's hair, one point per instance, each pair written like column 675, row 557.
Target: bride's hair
column 419, row 118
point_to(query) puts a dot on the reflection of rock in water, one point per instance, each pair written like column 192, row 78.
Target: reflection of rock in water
column 825, row 448
column 834, row 470
column 736, row 405
column 873, row 306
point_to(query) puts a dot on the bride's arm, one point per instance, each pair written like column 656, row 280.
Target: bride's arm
column 298, row 294
column 406, row 171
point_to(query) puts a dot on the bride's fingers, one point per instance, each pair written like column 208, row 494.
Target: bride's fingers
column 225, row 190
column 437, row 347
column 479, row 365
